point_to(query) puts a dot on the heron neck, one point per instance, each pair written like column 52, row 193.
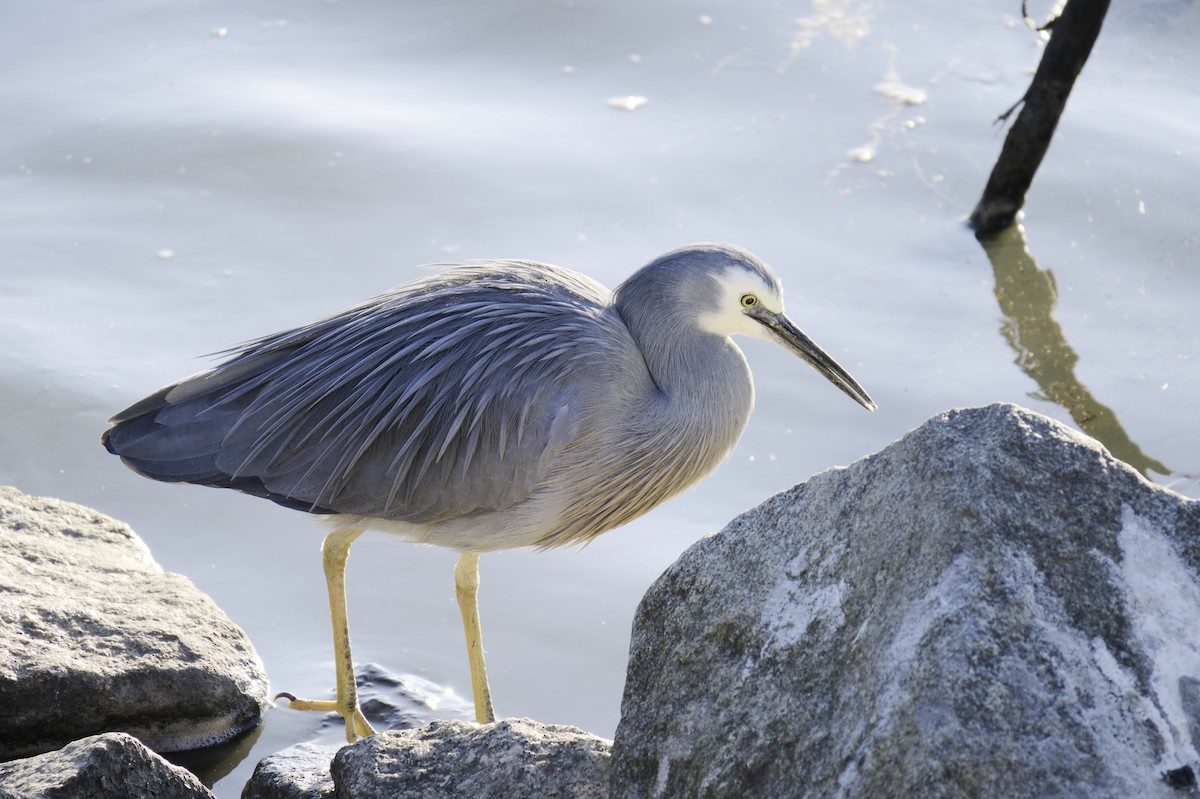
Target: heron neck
column 702, row 376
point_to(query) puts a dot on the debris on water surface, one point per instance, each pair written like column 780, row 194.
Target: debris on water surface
column 630, row 103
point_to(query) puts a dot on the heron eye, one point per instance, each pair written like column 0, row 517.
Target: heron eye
column 749, row 300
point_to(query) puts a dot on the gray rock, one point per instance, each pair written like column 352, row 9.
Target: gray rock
column 992, row 606
column 298, row 772
column 95, row 637
column 389, row 701
column 100, row 767
column 509, row 759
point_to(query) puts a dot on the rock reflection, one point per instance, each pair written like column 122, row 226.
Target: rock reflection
column 214, row 763
column 1027, row 294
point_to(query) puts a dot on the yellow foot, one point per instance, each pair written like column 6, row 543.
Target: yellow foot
column 357, row 725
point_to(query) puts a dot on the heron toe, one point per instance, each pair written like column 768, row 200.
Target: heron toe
column 357, row 725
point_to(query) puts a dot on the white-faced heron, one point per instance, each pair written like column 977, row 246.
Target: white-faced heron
column 498, row 404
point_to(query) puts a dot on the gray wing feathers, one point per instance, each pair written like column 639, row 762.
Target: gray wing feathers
column 429, row 403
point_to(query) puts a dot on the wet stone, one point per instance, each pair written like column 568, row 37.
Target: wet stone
column 99, row 767
column 297, row 772
column 88, row 618
column 389, row 701
column 508, row 759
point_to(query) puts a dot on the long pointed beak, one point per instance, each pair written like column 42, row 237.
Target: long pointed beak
column 793, row 338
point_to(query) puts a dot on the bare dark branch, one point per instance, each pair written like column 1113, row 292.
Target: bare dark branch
column 1075, row 32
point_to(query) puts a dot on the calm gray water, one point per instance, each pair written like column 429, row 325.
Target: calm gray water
column 179, row 177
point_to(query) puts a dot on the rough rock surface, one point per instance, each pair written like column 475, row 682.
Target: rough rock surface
column 100, row 767
column 991, row 606
column 389, row 701
column 96, row 637
column 509, row 759
column 298, row 772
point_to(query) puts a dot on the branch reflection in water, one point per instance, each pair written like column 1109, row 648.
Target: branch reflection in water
column 1027, row 294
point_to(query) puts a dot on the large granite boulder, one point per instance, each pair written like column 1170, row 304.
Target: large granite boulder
column 991, row 606
column 110, row 766
column 96, row 637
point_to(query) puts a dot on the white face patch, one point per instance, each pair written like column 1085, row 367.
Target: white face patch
column 730, row 316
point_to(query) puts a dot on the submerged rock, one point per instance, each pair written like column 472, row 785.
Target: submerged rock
column 991, row 606
column 99, row 767
column 96, row 637
column 396, row 702
column 509, row 759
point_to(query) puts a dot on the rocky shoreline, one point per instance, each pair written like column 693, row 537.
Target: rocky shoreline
column 990, row 606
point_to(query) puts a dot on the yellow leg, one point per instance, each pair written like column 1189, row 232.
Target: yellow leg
column 334, row 553
column 466, row 588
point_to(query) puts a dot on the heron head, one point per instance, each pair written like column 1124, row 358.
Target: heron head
column 748, row 300
column 740, row 292
column 721, row 290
